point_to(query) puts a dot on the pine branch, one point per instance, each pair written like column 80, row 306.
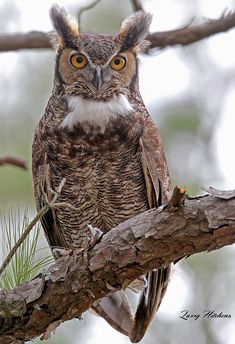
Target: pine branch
column 182, row 36
column 40, row 214
column 150, row 240
column 48, row 205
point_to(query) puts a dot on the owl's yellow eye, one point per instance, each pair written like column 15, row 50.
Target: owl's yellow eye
column 118, row 62
column 78, row 61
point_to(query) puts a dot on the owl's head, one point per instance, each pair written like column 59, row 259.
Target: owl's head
column 94, row 66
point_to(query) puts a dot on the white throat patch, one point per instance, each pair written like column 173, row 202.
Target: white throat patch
column 96, row 112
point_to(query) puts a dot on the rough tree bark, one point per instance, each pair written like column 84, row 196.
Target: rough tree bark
column 150, row 240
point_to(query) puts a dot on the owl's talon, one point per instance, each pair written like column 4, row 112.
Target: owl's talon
column 61, row 252
column 95, row 235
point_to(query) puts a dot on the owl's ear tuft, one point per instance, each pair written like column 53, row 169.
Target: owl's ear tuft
column 65, row 26
column 134, row 30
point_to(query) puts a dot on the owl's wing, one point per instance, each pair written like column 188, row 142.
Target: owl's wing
column 154, row 164
column 42, row 186
column 157, row 182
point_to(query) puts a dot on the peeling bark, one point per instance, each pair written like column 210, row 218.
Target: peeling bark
column 150, row 240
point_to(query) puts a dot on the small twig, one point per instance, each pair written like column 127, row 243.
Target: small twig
column 63, row 205
column 14, row 161
column 86, row 8
column 178, row 197
column 137, row 6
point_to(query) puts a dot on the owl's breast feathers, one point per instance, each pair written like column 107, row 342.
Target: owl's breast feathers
column 88, row 112
column 106, row 165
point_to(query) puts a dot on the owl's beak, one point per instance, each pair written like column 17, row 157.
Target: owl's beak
column 97, row 80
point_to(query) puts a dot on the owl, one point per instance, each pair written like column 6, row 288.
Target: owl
column 97, row 134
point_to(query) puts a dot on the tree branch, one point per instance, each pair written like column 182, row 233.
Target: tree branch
column 86, row 8
column 182, row 36
column 30, row 40
column 14, row 161
column 150, row 240
column 188, row 35
column 136, row 4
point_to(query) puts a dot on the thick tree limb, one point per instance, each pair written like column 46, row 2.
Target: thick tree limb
column 149, row 240
column 29, row 40
column 182, row 36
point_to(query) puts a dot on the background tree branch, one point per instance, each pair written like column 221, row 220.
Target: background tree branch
column 150, row 240
column 191, row 34
column 181, row 36
column 136, row 4
column 14, row 161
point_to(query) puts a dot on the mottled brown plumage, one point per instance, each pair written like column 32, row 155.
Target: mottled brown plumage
column 97, row 134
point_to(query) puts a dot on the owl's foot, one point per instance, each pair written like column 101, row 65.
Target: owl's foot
column 62, row 252
column 95, row 235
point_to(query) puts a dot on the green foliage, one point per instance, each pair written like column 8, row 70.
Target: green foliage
column 15, row 183
column 185, row 118
column 24, row 265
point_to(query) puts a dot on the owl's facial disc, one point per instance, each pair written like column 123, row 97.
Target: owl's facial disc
column 96, row 78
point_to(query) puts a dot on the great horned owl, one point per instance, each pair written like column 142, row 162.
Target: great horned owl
column 97, row 134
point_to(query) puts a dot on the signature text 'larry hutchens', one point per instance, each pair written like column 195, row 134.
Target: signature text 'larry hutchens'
column 186, row 315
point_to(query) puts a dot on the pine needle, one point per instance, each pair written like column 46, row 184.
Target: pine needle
column 26, row 262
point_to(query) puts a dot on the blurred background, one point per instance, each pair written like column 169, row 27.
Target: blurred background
column 190, row 92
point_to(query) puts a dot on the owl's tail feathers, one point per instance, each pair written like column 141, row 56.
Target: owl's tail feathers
column 149, row 302
column 116, row 310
